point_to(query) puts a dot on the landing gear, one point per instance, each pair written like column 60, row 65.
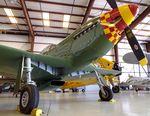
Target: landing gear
column 105, row 93
column 136, row 89
column 83, row 90
column 108, row 94
column 116, row 89
column 29, row 99
column 75, row 90
column 29, row 93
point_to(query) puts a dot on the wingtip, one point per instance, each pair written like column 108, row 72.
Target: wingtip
column 144, row 61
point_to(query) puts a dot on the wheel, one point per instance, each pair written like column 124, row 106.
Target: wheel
column 73, row 90
column 83, row 90
column 63, row 90
column 116, row 89
column 108, row 94
column 136, row 89
column 29, row 99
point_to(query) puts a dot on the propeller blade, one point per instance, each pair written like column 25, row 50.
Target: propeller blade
column 112, row 3
column 135, row 46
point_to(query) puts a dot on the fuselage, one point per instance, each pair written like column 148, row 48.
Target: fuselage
column 83, row 46
column 95, row 38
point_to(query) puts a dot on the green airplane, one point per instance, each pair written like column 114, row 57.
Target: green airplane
column 70, row 57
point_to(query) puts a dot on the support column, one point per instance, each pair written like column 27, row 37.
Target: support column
column 148, row 51
column 116, row 57
column 116, row 54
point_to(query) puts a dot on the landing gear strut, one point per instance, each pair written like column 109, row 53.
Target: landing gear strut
column 105, row 93
column 29, row 98
column 115, row 88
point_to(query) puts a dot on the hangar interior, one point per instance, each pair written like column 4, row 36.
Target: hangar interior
column 17, row 34
column 33, row 25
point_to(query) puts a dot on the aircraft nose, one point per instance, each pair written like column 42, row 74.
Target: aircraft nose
column 128, row 13
column 134, row 9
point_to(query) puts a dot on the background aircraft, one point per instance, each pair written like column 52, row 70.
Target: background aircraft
column 106, row 69
column 139, row 83
column 72, row 56
column 131, row 58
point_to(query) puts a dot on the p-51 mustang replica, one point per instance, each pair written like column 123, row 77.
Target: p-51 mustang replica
column 72, row 56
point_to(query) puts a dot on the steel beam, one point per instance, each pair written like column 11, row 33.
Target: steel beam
column 51, row 12
column 26, row 14
column 129, row 2
column 148, row 47
column 87, row 13
column 116, row 54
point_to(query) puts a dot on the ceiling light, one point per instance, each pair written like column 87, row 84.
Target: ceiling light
column 46, row 19
column 9, row 12
column 12, row 20
column 65, row 24
column 45, row 15
column 46, row 23
column 67, row 18
column 10, row 15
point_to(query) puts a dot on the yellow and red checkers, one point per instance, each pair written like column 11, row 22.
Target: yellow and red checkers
column 105, row 17
column 111, row 32
column 127, row 16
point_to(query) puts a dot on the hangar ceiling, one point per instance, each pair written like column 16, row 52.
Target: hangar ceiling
column 29, row 16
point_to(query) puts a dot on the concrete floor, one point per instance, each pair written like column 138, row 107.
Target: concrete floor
column 127, row 103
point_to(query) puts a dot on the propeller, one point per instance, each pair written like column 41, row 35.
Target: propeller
column 112, row 3
column 131, row 39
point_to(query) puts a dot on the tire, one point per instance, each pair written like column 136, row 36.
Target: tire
column 116, row 89
column 108, row 96
column 73, row 90
column 83, row 90
column 29, row 99
column 136, row 89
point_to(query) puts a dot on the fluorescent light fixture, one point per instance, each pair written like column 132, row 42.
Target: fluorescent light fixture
column 65, row 24
column 45, row 15
column 46, row 19
column 12, row 19
column 10, row 15
column 9, row 12
column 67, row 18
column 46, row 22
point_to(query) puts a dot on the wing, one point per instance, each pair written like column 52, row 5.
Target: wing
column 11, row 58
column 86, row 76
column 89, row 71
column 102, row 71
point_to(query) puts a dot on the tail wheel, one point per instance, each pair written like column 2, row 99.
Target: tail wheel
column 29, row 99
column 116, row 89
column 108, row 94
